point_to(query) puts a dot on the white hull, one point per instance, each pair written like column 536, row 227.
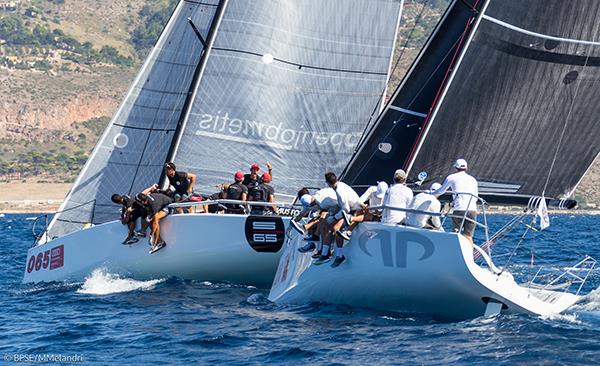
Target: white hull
column 207, row 247
column 397, row 268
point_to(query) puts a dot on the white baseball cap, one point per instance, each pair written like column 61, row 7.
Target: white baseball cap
column 460, row 164
column 382, row 187
column 400, row 174
column 434, row 187
column 306, row 200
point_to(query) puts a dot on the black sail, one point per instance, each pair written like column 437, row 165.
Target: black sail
column 388, row 143
column 522, row 105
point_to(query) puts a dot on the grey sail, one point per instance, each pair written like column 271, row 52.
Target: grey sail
column 131, row 153
column 303, row 111
column 522, row 104
column 291, row 82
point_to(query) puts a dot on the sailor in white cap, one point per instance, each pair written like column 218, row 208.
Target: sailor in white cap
column 465, row 194
column 399, row 196
column 425, row 201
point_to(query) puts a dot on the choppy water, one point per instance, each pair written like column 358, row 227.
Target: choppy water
column 108, row 319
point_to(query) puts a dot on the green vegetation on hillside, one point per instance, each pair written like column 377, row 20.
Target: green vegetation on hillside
column 25, row 39
column 154, row 18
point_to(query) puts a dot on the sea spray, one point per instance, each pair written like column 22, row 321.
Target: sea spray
column 99, row 282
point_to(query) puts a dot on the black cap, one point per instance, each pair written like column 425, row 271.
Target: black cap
column 170, row 165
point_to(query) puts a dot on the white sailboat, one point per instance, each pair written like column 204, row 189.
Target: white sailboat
column 497, row 86
column 405, row 269
column 228, row 84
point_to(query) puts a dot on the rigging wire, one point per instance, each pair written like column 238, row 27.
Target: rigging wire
column 385, row 88
column 567, row 120
column 417, row 94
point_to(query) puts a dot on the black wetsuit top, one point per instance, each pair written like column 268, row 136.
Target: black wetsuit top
column 158, row 201
column 248, row 181
column 137, row 209
column 181, row 182
column 235, row 190
column 261, row 192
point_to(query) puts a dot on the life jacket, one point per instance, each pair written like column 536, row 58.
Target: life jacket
column 259, row 193
column 234, row 192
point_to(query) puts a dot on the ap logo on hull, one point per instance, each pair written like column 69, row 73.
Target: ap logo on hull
column 401, row 241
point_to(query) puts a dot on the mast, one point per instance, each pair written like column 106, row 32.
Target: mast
column 198, row 72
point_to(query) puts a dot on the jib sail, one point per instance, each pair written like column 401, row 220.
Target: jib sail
column 131, row 153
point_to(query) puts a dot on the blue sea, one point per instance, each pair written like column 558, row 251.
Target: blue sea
column 112, row 320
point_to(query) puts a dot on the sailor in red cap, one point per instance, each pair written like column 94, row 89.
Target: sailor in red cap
column 263, row 192
column 252, row 178
column 236, row 191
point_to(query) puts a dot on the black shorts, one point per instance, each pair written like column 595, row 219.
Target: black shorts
column 469, row 226
column 135, row 214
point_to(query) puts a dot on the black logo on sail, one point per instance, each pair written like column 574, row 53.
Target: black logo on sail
column 265, row 234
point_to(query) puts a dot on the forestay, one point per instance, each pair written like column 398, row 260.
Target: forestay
column 291, row 82
column 131, row 153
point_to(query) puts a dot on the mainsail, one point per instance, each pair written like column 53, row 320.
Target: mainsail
column 520, row 102
column 289, row 82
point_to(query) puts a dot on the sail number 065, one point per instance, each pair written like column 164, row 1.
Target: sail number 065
column 42, row 260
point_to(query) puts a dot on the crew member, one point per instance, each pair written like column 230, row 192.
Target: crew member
column 425, row 201
column 348, row 202
column 318, row 206
column 156, row 203
column 252, row 178
column 373, row 196
column 131, row 211
column 465, row 196
column 182, row 183
column 398, row 196
column 263, row 192
column 238, row 192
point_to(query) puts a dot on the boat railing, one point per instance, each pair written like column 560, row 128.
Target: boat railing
column 463, row 217
column 576, row 275
column 42, row 236
column 242, row 204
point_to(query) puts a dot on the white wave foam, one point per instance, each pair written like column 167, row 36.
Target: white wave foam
column 102, row 283
column 590, row 302
column 564, row 318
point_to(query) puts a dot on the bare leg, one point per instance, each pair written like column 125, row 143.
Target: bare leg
column 337, row 226
column 131, row 227
column 156, row 221
column 470, row 239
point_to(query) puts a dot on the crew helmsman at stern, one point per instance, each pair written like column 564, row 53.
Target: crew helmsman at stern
column 465, row 194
